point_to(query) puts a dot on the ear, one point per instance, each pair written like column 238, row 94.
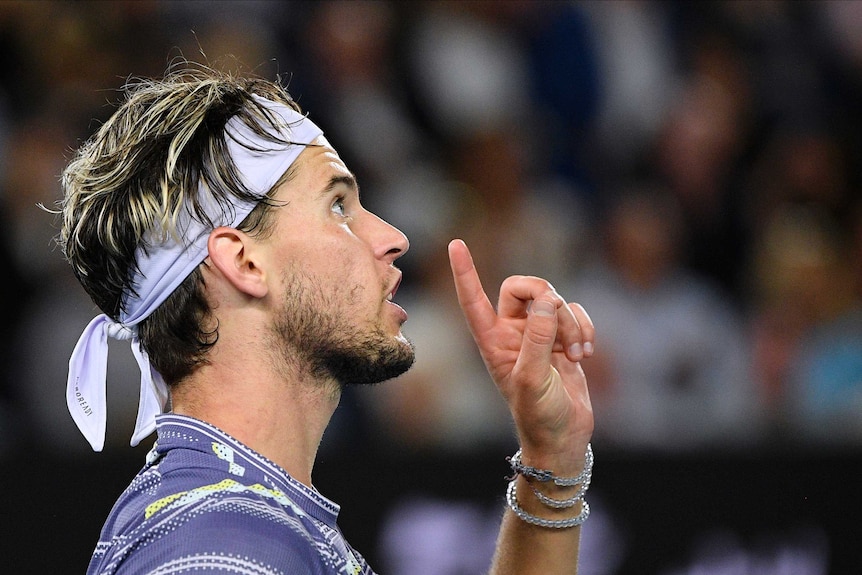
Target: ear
column 232, row 253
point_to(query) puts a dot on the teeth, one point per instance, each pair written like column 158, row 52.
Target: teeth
column 389, row 297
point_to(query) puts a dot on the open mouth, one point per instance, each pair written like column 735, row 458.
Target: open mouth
column 389, row 299
column 391, row 295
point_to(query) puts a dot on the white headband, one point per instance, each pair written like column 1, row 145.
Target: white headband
column 162, row 268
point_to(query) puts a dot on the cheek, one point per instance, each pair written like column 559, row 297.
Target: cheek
column 345, row 277
column 351, row 282
column 355, row 294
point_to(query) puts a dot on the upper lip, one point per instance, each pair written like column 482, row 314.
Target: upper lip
column 394, row 289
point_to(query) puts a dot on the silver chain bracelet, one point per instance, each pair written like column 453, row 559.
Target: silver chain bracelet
column 512, row 501
column 561, row 503
column 545, row 475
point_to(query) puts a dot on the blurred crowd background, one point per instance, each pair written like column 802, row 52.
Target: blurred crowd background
column 688, row 171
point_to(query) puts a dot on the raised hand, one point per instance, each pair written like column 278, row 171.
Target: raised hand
column 532, row 345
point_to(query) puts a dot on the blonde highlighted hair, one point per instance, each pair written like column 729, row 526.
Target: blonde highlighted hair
column 127, row 186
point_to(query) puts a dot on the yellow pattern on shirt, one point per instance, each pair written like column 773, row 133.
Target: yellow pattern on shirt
column 225, row 485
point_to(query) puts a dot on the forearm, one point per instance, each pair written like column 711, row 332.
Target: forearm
column 525, row 549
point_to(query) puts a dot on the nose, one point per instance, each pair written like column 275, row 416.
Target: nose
column 389, row 243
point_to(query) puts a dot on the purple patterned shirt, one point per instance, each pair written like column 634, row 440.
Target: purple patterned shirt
column 206, row 503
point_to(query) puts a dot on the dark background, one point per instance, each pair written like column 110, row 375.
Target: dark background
column 53, row 507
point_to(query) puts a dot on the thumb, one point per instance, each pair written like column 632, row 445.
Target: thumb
column 534, row 361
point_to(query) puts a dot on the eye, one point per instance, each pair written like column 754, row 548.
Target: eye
column 338, row 206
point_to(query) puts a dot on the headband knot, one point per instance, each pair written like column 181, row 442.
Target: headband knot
column 116, row 330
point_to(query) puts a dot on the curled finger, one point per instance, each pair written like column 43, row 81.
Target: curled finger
column 586, row 326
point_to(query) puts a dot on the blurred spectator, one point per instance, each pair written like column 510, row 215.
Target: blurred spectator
column 804, row 165
column 355, row 86
column 805, row 285
column 673, row 372
column 696, row 153
column 808, row 322
column 638, row 77
column 469, row 67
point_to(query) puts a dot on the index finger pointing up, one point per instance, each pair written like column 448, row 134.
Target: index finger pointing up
column 474, row 302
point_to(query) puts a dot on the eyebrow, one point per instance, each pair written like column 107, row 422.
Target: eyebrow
column 349, row 181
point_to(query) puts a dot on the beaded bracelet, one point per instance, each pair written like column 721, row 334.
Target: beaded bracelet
column 545, row 475
column 512, row 501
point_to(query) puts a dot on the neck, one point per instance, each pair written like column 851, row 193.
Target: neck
column 282, row 418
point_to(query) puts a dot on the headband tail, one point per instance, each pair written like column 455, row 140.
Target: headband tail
column 153, row 398
column 85, row 387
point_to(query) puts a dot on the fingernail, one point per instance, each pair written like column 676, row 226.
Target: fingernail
column 588, row 348
column 575, row 350
column 543, row 308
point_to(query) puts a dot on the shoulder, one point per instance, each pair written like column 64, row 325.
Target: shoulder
column 215, row 534
column 226, row 525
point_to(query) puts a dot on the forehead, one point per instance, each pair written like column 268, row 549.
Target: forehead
column 316, row 171
column 319, row 161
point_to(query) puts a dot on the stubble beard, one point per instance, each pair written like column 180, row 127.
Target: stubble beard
column 321, row 339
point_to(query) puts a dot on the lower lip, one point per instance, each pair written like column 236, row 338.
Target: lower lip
column 398, row 310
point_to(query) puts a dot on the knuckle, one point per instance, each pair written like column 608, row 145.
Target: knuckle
column 512, row 280
column 541, row 332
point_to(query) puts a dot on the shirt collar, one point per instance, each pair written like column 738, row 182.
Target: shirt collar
column 227, row 454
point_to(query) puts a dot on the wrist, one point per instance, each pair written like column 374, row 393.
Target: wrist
column 544, row 498
column 566, row 459
column 520, row 499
